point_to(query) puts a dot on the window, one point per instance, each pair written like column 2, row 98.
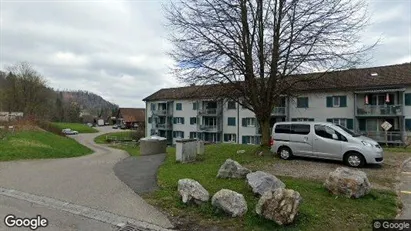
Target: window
column 244, row 102
column 302, row 119
column 149, row 120
column 283, row 128
column 178, row 120
column 251, row 140
column 231, row 105
column 231, row 121
column 195, row 106
column 153, row 106
column 337, row 101
column 248, row 122
column 408, row 99
column 179, row 106
column 300, row 129
column 193, row 135
column 230, row 137
column 302, row 102
column 327, row 132
column 408, row 124
column 178, row 134
column 348, row 123
column 193, row 120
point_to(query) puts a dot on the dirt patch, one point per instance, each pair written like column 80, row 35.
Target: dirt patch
column 384, row 176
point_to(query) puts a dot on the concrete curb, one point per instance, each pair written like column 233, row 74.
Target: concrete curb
column 397, row 186
column 99, row 215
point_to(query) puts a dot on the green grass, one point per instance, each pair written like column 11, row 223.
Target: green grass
column 39, row 145
column 132, row 149
column 81, row 128
column 101, row 139
column 319, row 210
column 397, row 149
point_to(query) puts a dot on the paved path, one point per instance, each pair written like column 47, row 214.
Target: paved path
column 139, row 173
column 405, row 190
column 87, row 181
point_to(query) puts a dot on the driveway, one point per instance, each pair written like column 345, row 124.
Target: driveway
column 87, row 181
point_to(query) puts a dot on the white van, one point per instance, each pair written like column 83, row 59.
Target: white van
column 324, row 140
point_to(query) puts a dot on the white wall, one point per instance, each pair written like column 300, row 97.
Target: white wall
column 317, row 107
column 186, row 112
column 230, row 113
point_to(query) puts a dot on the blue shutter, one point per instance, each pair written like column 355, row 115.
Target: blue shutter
column 182, row 134
column 244, row 140
column 174, row 120
column 343, row 101
column 182, row 120
column 149, row 120
column 244, row 122
column 350, row 124
column 329, row 101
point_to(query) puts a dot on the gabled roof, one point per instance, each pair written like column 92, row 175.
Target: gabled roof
column 352, row 79
column 132, row 114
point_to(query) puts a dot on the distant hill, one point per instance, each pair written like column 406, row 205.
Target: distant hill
column 89, row 103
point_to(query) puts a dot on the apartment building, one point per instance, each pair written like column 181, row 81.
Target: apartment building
column 359, row 99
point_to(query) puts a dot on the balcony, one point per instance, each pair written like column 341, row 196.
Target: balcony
column 392, row 137
column 209, row 128
column 163, row 126
column 209, row 112
column 379, row 110
column 278, row 111
column 160, row 112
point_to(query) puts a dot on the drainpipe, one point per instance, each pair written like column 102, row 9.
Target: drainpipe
column 238, row 123
column 288, row 108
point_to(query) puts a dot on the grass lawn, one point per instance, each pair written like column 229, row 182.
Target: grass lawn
column 38, row 145
column 101, row 139
column 319, row 210
column 397, row 149
column 81, row 128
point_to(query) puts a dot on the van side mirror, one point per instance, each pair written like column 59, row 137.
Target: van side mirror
column 335, row 137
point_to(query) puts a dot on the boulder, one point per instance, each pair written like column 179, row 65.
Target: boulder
column 231, row 202
column 232, row 169
column 280, row 205
column 192, row 191
column 261, row 182
column 348, row 182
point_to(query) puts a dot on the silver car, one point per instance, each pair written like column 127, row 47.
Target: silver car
column 324, row 140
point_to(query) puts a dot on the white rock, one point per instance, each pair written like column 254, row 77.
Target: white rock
column 232, row 169
column 348, row 182
column 261, row 182
column 231, row 202
column 192, row 191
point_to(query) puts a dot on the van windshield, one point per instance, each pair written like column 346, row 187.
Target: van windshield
column 353, row 134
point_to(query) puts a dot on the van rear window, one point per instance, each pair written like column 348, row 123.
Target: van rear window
column 283, row 128
column 300, row 129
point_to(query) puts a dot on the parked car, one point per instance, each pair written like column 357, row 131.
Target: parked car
column 326, row 141
column 90, row 124
column 115, row 126
column 68, row 131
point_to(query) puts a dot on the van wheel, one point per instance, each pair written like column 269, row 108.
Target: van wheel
column 355, row 160
column 285, row 153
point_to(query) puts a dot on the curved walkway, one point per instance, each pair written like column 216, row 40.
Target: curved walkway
column 87, row 181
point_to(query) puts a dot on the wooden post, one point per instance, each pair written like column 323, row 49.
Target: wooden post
column 386, row 138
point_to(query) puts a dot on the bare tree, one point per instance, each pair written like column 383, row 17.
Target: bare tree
column 257, row 46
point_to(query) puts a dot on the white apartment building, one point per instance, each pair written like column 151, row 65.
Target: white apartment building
column 359, row 99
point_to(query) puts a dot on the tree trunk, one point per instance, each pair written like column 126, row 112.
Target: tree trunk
column 265, row 131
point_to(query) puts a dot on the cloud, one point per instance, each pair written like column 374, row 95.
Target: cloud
column 118, row 49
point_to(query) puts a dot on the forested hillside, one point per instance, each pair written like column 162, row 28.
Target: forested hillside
column 23, row 89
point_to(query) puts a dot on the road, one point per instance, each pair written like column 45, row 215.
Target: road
column 85, row 186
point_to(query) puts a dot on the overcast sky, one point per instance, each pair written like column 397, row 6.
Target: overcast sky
column 117, row 49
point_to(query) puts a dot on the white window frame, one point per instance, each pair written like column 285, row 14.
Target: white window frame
column 179, row 120
column 179, row 134
column 232, row 137
column 250, row 122
column 340, row 121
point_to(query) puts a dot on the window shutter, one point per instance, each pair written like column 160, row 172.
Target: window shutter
column 343, row 101
column 408, row 124
column 311, row 119
column 244, row 140
column 408, row 99
column 350, row 124
column 330, row 120
column 293, row 119
column 329, row 101
column 182, row 134
column 182, row 120
column 174, row 134
column 174, row 120
column 149, row 120
column 244, row 122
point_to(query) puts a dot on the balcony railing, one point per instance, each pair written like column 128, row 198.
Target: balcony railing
column 380, row 110
column 160, row 112
column 379, row 136
column 278, row 111
column 163, row 126
column 209, row 128
column 210, row 111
